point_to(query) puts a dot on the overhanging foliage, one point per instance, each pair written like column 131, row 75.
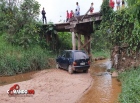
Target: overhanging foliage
column 119, row 27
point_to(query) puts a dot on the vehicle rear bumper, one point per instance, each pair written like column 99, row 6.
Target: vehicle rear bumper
column 81, row 67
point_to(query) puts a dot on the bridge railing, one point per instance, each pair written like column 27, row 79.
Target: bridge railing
column 82, row 17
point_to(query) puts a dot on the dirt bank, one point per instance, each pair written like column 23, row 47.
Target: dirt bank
column 51, row 86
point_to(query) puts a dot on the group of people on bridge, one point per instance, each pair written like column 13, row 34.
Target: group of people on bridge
column 71, row 14
column 77, row 12
column 118, row 2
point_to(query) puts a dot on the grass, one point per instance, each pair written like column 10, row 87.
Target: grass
column 14, row 60
column 103, row 53
column 130, row 80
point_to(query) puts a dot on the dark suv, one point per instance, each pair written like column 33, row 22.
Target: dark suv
column 73, row 60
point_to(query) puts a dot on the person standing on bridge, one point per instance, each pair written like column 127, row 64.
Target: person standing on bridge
column 71, row 14
column 68, row 16
column 123, row 4
column 111, row 4
column 91, row 8
column 118, row 4
column 78, row 8
column 43, row 16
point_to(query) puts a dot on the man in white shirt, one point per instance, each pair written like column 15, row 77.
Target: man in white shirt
column 76, row 12
column 78, row 8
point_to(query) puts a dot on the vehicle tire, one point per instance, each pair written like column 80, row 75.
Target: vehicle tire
column 57, row 66
column 70, row 70
column 85, row 71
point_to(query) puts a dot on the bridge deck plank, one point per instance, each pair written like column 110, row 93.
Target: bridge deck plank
column 83, row 19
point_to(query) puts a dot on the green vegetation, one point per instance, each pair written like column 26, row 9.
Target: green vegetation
column 52, row 40
column 20, row 47
column 130, row 86
column 105, row 54
column 117, row 28
column 25, row 44
column 64, row 42
column 101, row 40
column 18, row 21
column 15, row 59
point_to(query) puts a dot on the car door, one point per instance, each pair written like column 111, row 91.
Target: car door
column 67, row 59
column 61, row 59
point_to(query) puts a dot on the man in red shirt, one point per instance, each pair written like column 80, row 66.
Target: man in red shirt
column 71, row 14
column 111, row 4
column 68, row 16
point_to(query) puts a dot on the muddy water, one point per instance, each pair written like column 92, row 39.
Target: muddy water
column 105, row 89
column 17, row 78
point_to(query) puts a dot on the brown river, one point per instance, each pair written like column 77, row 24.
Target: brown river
column 104, row 89
column 17, row 78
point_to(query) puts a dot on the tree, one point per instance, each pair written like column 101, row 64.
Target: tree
column 19, row 21
column 134, row 6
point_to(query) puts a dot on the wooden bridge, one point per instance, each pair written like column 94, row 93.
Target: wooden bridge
column 80, row 25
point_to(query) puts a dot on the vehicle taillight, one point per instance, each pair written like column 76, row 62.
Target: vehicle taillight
column 89, row 62
column 74, row 63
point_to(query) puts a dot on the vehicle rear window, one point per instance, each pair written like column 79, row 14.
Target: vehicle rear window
column 80, row 55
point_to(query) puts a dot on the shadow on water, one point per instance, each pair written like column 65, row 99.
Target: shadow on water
column 105, row 89
column 17, row 78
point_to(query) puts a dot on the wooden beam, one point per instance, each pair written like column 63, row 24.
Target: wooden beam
column 89, row 45
column 86, row 42
column 79, row 41
column 70, row 26
column 81, row 44
column 85, row 14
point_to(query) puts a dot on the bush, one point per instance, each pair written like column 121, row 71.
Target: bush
column 101, row 53
column 130, row 86
column 16, row 60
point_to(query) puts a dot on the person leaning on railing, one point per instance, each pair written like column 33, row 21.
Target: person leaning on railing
column 91, row 9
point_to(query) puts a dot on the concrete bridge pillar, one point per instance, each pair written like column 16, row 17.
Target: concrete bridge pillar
column 85, row 41
column 73, row 41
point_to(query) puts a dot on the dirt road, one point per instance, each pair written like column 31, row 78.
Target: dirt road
column 51, row 86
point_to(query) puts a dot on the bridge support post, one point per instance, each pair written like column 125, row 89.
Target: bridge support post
column 85, row 41
column 47, row 39
column 73, row 41
column 79, row 41
column 87, row 44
